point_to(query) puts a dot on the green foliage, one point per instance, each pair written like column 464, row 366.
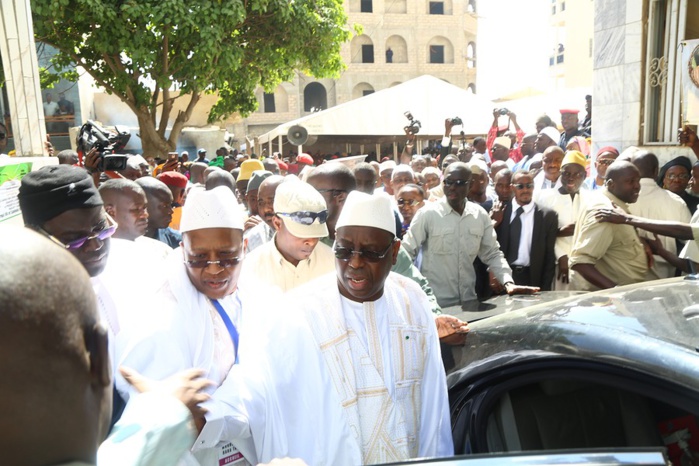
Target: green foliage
column 139, row 49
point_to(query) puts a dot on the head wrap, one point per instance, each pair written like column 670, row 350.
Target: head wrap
column 216, row 208
column 503, row 141
column 387, row 165
column 583, row 145
column 681, row 161
column 574, row 156
column 609, row 149
column 294, row 195
column 283, row 166
column 304, row 158
column 364, row 210
column 247, row 167
column 174, row 179
column 565, row 111
column 50, row 191
column 552, row 133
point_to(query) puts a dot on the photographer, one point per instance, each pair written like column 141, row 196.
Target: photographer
column 515, row 147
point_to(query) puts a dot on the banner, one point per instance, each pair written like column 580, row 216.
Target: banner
column 10, row 179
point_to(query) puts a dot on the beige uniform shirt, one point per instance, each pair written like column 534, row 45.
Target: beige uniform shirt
column 615, row 250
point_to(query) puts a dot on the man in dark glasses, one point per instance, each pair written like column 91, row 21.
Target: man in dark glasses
column 354, row 367
column 452, row 232
column 294, row 256
column 527, row 236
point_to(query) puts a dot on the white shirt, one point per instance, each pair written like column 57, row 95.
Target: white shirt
column 267, row 265
column 568, row 210
column 657, row 203
column 50, row 108
column 525, row 239
column 541, row 182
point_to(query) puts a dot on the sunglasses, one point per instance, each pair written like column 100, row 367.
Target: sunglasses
column 457, row 183
column 306, row 218
column 677, row 177
column 202, row 264
column 74, row 245
column 523, row 185
column 334, row 192
column 345, row 254
column 409, row 202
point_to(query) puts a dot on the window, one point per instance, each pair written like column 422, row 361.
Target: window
column 436, row 54
column 368, row 53
column 471, row 8
column 471, row 55
column 366, row 6
column 563, row 6
column 269, row 103
column 471, row 88
column 315, row 96
column 436, row 8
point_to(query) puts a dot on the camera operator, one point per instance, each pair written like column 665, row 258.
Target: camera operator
column 463, row 154
column 515, row 151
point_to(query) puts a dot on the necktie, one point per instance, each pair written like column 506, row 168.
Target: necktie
column 515, row 233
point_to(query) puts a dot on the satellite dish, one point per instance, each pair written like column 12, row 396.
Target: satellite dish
column 297, row 135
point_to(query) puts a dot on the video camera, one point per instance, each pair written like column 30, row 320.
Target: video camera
column 502, row 111
column 456, row 121
column 414, row 126
column 107, row 143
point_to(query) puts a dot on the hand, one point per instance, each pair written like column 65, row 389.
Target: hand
column 92, row 160
column 448, row 125
column 563, row 269
column 512, row 116
column 451, row 330
column 171, row 166
column 567, row 230
column 497, row 213
column 49, row 146
column 616, row 215
column 187, row 386
column 495, row 284
column 512, row 289
column 650, row 260
column 251, row 222
column 687, row 136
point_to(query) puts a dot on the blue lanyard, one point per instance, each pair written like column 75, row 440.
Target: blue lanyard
column 229, row 325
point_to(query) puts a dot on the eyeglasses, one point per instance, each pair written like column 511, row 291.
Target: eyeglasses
column 523, row 185
column 577, row 176
column 345, row 254
column 682, row 176
column 306, row 218
column 202, row 264
column 334, row 192
column 74, row 245
column 605, row 161
column 457, row 183
column 409, row 202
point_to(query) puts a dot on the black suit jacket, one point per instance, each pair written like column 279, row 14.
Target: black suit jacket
column 542, row 266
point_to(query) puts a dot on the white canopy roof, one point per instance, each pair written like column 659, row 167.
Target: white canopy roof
column 430, row 100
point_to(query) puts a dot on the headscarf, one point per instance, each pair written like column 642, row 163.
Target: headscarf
column 682, row 161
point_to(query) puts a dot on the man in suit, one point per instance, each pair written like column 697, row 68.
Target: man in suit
column 527, row 236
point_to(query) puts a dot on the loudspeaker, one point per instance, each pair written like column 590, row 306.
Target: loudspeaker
column 297, row 135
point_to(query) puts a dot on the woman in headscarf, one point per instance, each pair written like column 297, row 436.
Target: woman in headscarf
column 674, row 176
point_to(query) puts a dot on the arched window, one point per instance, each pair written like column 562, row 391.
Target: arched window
column 471, row 7
column 471, row 88
column 398, row 48
column 362, row 49
column 471, row 55
column 362, row 89
column 440, row 50
column 315, row 97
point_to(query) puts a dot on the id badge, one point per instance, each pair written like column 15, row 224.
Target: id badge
column 229, row 455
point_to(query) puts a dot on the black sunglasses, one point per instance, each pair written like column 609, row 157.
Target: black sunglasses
column 345, row 254
column 335, row 192
column 202, row 264
column 457, row 183
column 523, row 185
column 306, row 218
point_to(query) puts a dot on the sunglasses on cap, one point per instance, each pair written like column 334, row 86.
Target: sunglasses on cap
column 409, row 202
column 104, row 233
column 457, row 183
column 523, row 185
column 345, row 254
column 202, row 264
column 306, row 218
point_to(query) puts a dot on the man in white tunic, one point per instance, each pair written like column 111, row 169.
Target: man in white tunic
column 355, row 376
column 196, row 315
column 295, row 255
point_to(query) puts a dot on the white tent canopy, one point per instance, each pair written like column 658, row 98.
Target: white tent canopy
column 429, row 99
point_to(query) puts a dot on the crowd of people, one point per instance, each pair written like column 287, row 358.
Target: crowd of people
column 238, row 310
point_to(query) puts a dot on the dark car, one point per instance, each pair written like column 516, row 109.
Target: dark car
column 612, row 369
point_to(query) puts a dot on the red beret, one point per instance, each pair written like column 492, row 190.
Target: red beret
column 569, row 110
column 175, row 179
column 305, row 158
column 283, row 165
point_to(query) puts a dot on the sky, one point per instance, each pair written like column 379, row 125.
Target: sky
column 513, row 45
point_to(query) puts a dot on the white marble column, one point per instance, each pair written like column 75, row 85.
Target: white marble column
column 22, row 77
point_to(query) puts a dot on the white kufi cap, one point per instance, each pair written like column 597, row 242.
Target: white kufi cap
column 366, row 210
column 216, row 208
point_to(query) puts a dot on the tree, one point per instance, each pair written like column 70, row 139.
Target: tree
column 142, row 50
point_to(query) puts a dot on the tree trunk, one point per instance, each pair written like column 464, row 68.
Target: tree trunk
column 153, row 145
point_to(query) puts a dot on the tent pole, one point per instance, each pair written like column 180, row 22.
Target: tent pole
column 299, row 148
column 395, row 151
column 269, row 147
column 281, row 152
column 361, row 149
column 377, row 149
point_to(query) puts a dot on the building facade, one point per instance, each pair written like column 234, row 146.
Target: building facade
column 570, row 62
column 400, row 40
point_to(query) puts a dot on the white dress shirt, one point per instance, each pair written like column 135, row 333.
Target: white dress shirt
column 525, row 239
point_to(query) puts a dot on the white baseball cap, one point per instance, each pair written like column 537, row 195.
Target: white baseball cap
column 364, row 210
column 296, row 203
